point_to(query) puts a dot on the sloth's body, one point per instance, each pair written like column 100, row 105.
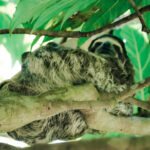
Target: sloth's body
column 55, row 66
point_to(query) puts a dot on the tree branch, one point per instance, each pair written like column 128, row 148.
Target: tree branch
column 144, row 27
column 15, row 109
column 142, row 104
column 134, row 89
column 76, row 34
column 106, row 122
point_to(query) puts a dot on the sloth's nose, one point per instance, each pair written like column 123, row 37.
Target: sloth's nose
column 106, row 45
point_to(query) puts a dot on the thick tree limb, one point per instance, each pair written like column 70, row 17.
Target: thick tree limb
column 128, row 125
column 115, row 143
column 76, row 34
column 16, row 109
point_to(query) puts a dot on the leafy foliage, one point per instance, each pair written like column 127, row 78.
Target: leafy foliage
column 56, row 15
column 39, row 12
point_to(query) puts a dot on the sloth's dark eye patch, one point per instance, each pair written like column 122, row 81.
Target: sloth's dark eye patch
column 95, row 46
column 98, row 44
column 52, row 44
column 117, row 49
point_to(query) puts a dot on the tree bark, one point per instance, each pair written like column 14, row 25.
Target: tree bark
column 128, row 125
column 16, row 109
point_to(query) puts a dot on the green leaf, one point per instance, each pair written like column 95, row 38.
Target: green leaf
column 82, row 41
column 2, row 3
column 36, row 39
column 39, row 13
column 138, row 49
column 53, row 11
column 28, row 10
column 79, row 6
column 5, row 20
column 106, row 14
column 47, row 38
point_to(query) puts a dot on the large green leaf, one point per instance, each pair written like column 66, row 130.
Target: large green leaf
column 53, row 11
column 35, row 40
column 104, row 15
column 5, row 20
column 40, row 12
column 28, row 10
column 79, row 6
column 107, row 13
column 3, row 3
column 138, row 49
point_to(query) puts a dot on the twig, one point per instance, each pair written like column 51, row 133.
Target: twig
column 144, row 27
column 142, row 104
column 128, row 93
column 76, row 34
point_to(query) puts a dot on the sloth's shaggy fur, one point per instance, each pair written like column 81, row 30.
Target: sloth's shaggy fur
column 54, row 66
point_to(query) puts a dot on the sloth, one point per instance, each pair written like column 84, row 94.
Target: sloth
column 105, row 65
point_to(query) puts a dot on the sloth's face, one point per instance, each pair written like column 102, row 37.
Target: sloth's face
column 108, row 46
column 106, row 49
column 113, row 48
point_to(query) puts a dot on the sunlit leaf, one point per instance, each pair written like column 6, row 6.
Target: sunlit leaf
column 79, row 6
column 53, row 11
column 81, row 41
column 41, row 12
column 6, row 20
column 28, row 10
column 2, row 3
column 107, row 13
column 36, row 39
